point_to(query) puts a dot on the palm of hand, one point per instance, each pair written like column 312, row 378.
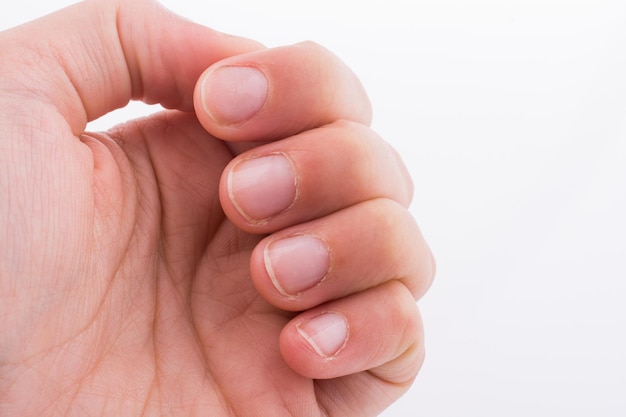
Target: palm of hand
column 167, row 313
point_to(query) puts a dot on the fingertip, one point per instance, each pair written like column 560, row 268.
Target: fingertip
column 379, row 329
column 279, row 92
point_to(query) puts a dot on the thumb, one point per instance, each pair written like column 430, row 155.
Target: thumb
column 94, row 57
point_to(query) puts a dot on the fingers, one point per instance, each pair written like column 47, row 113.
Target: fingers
column 343, row 248
column 97, row 55
column 275, row 93
column 358, row 272
column 310, row 175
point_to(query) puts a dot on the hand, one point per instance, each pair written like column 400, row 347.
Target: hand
column 254, row 257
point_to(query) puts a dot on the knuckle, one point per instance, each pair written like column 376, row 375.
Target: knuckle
column 403, row 248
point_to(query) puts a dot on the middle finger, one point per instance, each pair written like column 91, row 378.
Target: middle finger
column 311, row 175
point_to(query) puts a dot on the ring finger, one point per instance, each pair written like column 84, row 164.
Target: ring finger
column 349, row 251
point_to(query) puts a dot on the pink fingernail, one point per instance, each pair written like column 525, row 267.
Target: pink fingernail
column 234, row 94
column 262, row 187
column 327, row 333
column 296, row 264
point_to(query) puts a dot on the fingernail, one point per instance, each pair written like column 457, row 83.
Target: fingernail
column 296, row 264
column 327, row 333
column 263, row 187
column 234, row 94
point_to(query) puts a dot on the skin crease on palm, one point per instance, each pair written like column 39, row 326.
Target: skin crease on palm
column 137, row 277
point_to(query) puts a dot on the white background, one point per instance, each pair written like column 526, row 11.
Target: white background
column 511, row 117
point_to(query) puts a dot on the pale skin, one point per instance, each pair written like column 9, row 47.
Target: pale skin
column 145, row 272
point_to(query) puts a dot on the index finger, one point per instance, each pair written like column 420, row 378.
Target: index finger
column 275, row 93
